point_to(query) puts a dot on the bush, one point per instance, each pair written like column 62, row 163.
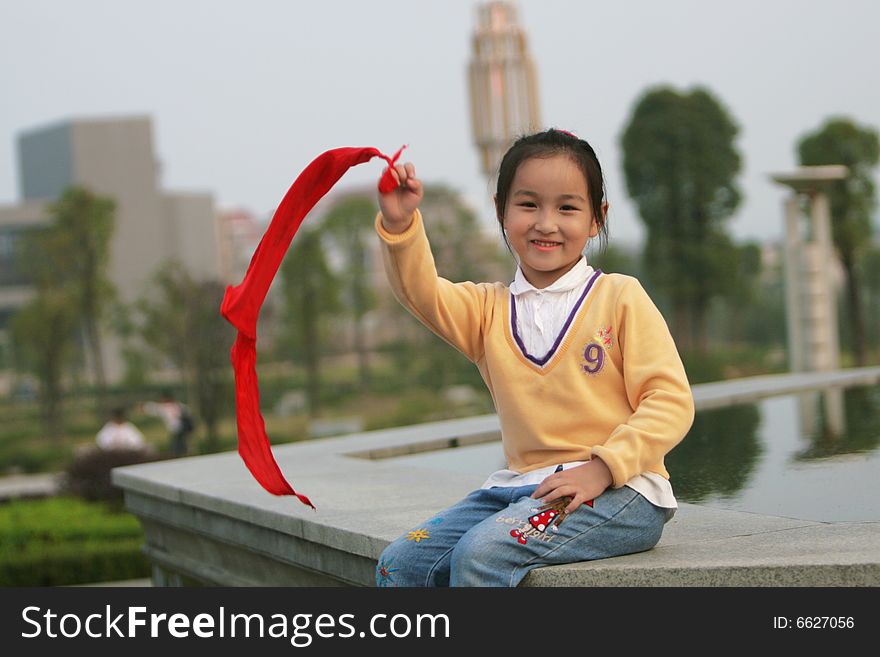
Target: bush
column 28, row 457
column 62, row 541
column 703, row 367
column 88, row 476
column 75, row 563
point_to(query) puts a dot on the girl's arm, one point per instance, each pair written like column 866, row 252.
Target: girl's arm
column 656, row 387
column 454, row 311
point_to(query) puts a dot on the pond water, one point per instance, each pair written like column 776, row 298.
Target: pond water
column 812, row 456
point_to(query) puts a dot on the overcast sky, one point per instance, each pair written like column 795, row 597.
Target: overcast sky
column 244, row 94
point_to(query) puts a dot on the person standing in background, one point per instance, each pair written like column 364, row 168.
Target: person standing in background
column 177, row 419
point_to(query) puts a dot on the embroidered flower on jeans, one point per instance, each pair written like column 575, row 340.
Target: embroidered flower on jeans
column 385, row 573
column 418, row 535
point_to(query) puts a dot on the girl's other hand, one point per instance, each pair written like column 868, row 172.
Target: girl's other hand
column 582, row 483
column 398, row 205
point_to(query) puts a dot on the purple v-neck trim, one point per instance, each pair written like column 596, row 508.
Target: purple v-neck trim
column 574, row 311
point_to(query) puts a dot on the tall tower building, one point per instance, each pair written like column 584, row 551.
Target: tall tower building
column 503, row 83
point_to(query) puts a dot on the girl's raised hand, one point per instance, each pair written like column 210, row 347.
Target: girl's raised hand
column 398, row 205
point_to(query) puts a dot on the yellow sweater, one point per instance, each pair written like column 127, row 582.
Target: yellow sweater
column 614, row 386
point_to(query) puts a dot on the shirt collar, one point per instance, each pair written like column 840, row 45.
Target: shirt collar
column 573, row 278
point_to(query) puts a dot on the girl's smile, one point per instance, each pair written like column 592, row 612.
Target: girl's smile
column 548, row 217
column 545, row 246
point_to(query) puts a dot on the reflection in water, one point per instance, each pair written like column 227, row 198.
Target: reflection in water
column 813, row 456
column 860, row 431
column 718, row 454
column 821, row 412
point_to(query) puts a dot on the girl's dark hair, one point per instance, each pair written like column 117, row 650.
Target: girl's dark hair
column 547, row 144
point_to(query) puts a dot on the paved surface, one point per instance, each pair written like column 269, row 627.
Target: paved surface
column 741, row 391
column 24, row 486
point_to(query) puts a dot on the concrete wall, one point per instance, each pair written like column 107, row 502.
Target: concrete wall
column 115, row 158
column 191, row 232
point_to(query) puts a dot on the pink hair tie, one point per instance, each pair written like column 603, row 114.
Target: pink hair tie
column 566, row 132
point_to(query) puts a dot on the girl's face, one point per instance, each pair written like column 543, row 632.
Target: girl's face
column 548, row 219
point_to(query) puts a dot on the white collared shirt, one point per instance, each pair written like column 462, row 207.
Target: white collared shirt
column 541, row 314
column 540, row 317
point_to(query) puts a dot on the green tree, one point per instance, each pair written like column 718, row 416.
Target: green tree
column 680, row 164
column 311, row 294
column 871, row 267
column 73, row 255
column 348, row 225
column 43, row 338
column 461, row 250
column 182, row 322
column 842, row 141
column 614, row 259
column 739, row 299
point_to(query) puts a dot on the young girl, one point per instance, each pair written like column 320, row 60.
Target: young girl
column 588, row 385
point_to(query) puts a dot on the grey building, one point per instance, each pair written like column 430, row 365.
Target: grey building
column 112, row 157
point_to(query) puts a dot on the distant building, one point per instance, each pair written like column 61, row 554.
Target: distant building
column 503, row 83
column 115, row 158
column 239, row 234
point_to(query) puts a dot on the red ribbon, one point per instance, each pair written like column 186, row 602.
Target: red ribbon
column 241, row 304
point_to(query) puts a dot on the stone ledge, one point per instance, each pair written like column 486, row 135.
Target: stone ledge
column 205, row 518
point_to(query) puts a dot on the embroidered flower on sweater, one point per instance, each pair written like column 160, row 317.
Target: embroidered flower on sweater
column 604, row 337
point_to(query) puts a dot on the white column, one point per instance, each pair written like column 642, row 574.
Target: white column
column 821, row 220
column 793, row 301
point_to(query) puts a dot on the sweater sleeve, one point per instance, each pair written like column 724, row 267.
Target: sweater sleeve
column 656, row 387
column 454, row 311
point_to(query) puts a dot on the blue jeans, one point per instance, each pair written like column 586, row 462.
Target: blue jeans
column 495, row 536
